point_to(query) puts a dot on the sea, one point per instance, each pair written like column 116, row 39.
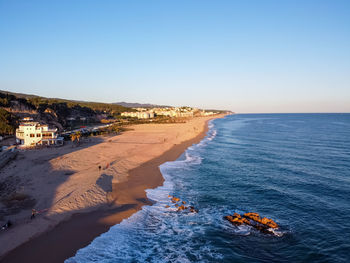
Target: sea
column 291, row 168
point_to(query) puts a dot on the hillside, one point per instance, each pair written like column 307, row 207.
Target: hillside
column 139, row 105
column 60, row 113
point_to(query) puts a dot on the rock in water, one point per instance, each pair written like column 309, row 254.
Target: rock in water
column 254, row 220
column 269, row 222
column 193, row 210
column 255, row 216
column 265, row 221
column 181, row 207
column 175, row 199
column 237, row 220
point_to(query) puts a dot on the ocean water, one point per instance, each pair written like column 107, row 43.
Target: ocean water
column 292, row 168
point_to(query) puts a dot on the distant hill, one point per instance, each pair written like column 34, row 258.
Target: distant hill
column 39, row 100
column 139, row 105
column 61, row 113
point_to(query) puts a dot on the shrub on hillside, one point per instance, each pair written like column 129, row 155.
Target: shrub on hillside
column 7, row 122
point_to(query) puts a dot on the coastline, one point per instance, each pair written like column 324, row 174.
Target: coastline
column 126, row 198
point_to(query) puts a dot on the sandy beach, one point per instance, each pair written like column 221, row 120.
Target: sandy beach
column 76, row 199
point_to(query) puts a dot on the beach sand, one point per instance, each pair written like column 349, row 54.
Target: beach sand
column 78, row 201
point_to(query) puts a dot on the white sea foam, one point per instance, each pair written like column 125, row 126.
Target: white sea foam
column 264, row 174
column 135, row 238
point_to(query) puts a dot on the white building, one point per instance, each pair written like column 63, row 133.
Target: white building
column 142, row 113
column 27, row 119
column 139, row 115
column 175, row 112
column 34, row 133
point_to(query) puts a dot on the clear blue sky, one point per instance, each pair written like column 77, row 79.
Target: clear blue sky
column 246, row 56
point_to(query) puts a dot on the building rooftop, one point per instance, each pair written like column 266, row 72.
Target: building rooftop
column 31, row 123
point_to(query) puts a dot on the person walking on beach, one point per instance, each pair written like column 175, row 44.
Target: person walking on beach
column 7, row 225
column 34, row 212
column 99, row 168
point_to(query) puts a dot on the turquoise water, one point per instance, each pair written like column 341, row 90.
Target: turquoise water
column 293, row 168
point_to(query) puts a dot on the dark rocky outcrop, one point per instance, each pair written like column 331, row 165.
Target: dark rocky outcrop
column 264, row 221
column 264, row 224
column 180, row 205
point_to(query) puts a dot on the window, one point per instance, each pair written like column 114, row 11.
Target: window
column 32, row 135
column 38, row 135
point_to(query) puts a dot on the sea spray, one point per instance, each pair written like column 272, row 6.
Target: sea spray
column 293, row 168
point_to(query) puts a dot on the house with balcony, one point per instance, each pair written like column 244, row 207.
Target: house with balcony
column 34, row 133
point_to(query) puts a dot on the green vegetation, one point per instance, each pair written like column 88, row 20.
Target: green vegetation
column 59, row 112
column 95, row 106
column 7, row 98
column 68, row 114
column 38, row 101
column 7, row 122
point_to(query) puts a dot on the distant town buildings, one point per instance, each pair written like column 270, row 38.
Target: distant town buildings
column 174, row 112
column 207, row 113
column 183, row 112
column 139, row 114
column 33, row 133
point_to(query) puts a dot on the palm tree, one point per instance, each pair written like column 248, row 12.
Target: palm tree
column 73, row 138
column 78, row 136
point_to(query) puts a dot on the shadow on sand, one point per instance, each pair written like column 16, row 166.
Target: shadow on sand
column 17, row 190
column 125, row 198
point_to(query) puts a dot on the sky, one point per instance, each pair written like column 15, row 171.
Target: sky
column 245, row 56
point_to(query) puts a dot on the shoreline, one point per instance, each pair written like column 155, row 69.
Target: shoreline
column 63, row 240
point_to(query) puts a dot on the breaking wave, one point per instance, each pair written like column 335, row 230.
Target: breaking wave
column 155, row 233
column 291, row 168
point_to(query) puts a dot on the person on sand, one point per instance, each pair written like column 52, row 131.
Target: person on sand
column 34, row 212
column 99, row 168
column 7, row 225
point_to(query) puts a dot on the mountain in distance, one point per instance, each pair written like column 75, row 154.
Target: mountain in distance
column 140, row 105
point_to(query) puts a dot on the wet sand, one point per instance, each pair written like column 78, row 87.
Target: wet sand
column 127, row 196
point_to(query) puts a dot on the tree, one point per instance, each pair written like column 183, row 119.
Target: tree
column 78, row 136
column 7, row 122
column 73, row 137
